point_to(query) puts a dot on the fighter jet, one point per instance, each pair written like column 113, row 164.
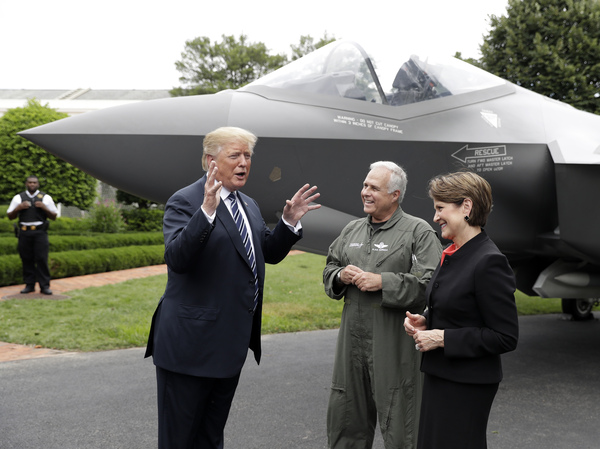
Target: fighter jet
column 324, row 118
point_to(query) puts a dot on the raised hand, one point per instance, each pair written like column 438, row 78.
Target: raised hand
column 212, row 190
column 299, row 205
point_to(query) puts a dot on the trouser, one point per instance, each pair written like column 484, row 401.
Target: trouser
column 33, row 249
column 376, row 378
column 192, row 411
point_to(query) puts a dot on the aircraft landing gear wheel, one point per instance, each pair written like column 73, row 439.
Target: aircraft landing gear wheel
column 579, row 308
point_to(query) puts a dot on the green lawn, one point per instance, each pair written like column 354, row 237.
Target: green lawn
column 118, row 316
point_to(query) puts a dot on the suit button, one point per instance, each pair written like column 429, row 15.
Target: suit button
column 250, row 310
column 436, row 285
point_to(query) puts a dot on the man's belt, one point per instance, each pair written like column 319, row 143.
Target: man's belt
column 30, row 228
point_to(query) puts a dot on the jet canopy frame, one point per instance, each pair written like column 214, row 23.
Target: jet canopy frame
column 344, row 69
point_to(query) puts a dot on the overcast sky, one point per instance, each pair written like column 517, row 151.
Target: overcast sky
column 133, row 44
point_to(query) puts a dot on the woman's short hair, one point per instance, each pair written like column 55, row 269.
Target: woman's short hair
column 398, row 179
column 455, row 187
column 215, row 140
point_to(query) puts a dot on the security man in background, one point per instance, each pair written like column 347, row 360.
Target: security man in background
column 33, row 208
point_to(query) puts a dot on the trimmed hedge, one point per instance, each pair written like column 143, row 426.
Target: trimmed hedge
column 8, row 245
column 137, row 220
column 62, row 225
column 60, row 243
column 69, row 226
column 75, row 251
column 77, row 263
column 11, row 270
column 6, row 225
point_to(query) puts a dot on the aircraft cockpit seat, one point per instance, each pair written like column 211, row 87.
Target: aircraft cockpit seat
column 406, row 90
column 411, row 85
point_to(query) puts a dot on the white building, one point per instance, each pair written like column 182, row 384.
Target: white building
column 75, row 101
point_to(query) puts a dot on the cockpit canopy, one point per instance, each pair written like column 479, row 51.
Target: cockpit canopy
column 344, row 69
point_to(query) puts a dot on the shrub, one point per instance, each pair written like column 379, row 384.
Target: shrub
column 78, row 263
column 8, row 245
column 143, row 219
column 62, row 225
column 67, row 225
column 60, row 243
column 106, row 217
column 7, row 226
column 11, row 270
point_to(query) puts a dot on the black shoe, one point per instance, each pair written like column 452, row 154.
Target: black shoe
column 28, row 289
column 46, row 291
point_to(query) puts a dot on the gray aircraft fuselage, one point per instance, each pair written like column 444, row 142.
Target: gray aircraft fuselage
column 541, row 157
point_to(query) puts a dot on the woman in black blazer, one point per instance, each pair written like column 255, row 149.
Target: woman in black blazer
column 471, row 318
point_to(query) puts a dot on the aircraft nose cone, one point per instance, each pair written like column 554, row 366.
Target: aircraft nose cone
column 126, row 146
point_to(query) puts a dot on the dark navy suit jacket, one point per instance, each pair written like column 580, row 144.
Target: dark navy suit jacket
column 204, row 322
column 471, row 297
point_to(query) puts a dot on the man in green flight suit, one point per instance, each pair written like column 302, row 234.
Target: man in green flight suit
column 380, row 265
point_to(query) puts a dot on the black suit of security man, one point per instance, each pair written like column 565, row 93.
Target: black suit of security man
column 33, row 208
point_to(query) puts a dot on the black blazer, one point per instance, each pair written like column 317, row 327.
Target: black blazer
column 204, row 322
column 471, row 297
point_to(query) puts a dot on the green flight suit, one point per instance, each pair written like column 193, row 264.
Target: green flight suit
column 376, row 372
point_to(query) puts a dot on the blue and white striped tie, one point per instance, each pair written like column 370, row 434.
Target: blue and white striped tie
column 239, row 221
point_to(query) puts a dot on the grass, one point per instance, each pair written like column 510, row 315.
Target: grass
column 294, row 298
column 118, row 316
column 92, row 319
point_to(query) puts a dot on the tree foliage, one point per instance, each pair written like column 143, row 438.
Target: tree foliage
column 472, row 61
column 307, row 45
column 229, row 64
column 20, row 158
column 128, row 198
column 549, row 46
column 207, row 68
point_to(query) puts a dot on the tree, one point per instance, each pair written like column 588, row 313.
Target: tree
column 20, row 158
column 127, row 198
column 209, row 68
column 549, row 46
column 306, row 45
column 229, row 64
column 472, row 61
